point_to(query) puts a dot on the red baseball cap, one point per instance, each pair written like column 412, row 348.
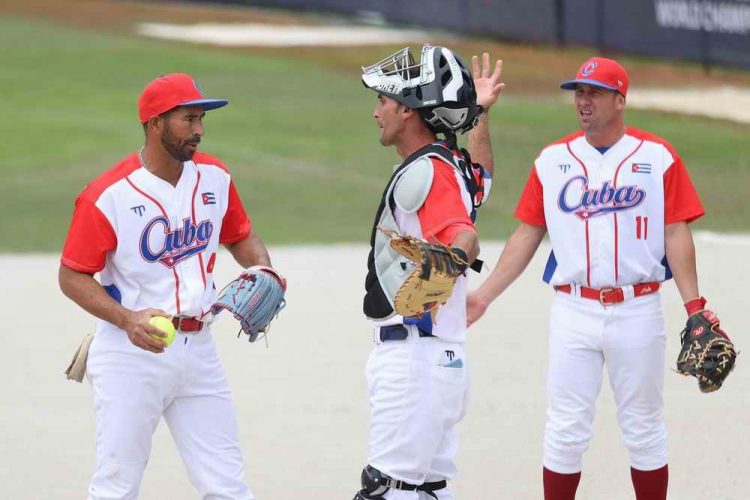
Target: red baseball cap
column 600, row 72
column 172, row 90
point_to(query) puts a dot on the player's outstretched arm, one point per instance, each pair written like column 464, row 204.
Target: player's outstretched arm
column 250, row 252
column 85, row 291
column 514, row 258
column 489, row 86
column 678, row 241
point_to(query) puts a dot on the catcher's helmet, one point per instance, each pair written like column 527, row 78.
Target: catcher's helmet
column 440, row 87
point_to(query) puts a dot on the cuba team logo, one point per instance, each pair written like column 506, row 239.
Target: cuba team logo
column 576, row 198
column 160, row 244
column 589, row 69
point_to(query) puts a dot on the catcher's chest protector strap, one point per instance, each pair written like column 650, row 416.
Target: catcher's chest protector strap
column 462, row 163
column 385, row 272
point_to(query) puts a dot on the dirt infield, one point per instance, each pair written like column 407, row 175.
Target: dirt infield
column 723, row 102
column 302, row 402
column 271, row 35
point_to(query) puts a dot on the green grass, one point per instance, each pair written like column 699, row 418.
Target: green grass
column 298, row 137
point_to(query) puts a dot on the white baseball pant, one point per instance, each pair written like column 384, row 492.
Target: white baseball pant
column 418, row 393
column 186, row 384
column 629, row 338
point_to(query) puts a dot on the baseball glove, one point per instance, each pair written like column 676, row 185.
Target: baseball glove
column 255, row 298
column 707, row 353
column 431, row 283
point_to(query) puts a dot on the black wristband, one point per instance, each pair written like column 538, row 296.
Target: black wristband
column 460, row 258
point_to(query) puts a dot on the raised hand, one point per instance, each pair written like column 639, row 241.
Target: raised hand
column 488, row 84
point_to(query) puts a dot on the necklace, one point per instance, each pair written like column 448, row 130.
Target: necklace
column 148, row 169
column 140, row 159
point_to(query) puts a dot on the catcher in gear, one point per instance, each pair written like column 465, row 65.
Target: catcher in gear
column 422, row 240
column 254, row 299
column 707, row 353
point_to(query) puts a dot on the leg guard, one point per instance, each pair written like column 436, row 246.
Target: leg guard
column 375, row 485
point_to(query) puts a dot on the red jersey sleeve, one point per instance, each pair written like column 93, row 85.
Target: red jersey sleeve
column 681, row 201
column 89, row 239
column 443, row 214
column 530, row 207
column 236, row 225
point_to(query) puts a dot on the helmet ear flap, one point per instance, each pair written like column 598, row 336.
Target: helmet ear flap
column 451, row 119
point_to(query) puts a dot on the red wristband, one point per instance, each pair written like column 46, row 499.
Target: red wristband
column 695, row 305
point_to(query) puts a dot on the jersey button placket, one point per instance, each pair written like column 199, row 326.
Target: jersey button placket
column 609, row 238
column 183, row 204
column 175, row 221
column 608, row 230
column 596, row 228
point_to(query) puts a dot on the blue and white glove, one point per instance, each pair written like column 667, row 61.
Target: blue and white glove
column 255, row 298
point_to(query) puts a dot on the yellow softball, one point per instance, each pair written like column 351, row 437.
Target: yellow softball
column 166, row 326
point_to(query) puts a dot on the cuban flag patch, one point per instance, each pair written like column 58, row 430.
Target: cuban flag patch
column 208, row 198
column 641, row 168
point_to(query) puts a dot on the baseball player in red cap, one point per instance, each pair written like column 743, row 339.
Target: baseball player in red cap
column 151, row 227
column 616, row 202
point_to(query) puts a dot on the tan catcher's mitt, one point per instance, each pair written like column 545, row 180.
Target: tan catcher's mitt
column 429, row 285
column 707, row 353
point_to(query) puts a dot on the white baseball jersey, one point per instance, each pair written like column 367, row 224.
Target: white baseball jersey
column 155, row 244
column 606, row 213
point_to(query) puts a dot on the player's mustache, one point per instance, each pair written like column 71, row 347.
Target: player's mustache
column 196, row 139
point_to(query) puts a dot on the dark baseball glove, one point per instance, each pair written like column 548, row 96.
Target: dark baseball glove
column 431, row 282
column 707, row 353
column 255, row 298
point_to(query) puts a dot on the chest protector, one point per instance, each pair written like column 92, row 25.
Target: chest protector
column 386, row 269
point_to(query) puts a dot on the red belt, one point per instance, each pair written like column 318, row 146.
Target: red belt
column 607, row 296
column 187, row 324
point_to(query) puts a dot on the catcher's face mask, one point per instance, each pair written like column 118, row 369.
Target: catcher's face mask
column 396, row 72
column 439, row 86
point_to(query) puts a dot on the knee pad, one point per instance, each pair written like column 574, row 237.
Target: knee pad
column 376, row 484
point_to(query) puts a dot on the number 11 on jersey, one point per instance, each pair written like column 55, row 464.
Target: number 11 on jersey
column 641, row 227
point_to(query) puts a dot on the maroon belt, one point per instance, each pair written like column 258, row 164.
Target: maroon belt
column 187, row 324
column 607, row 296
